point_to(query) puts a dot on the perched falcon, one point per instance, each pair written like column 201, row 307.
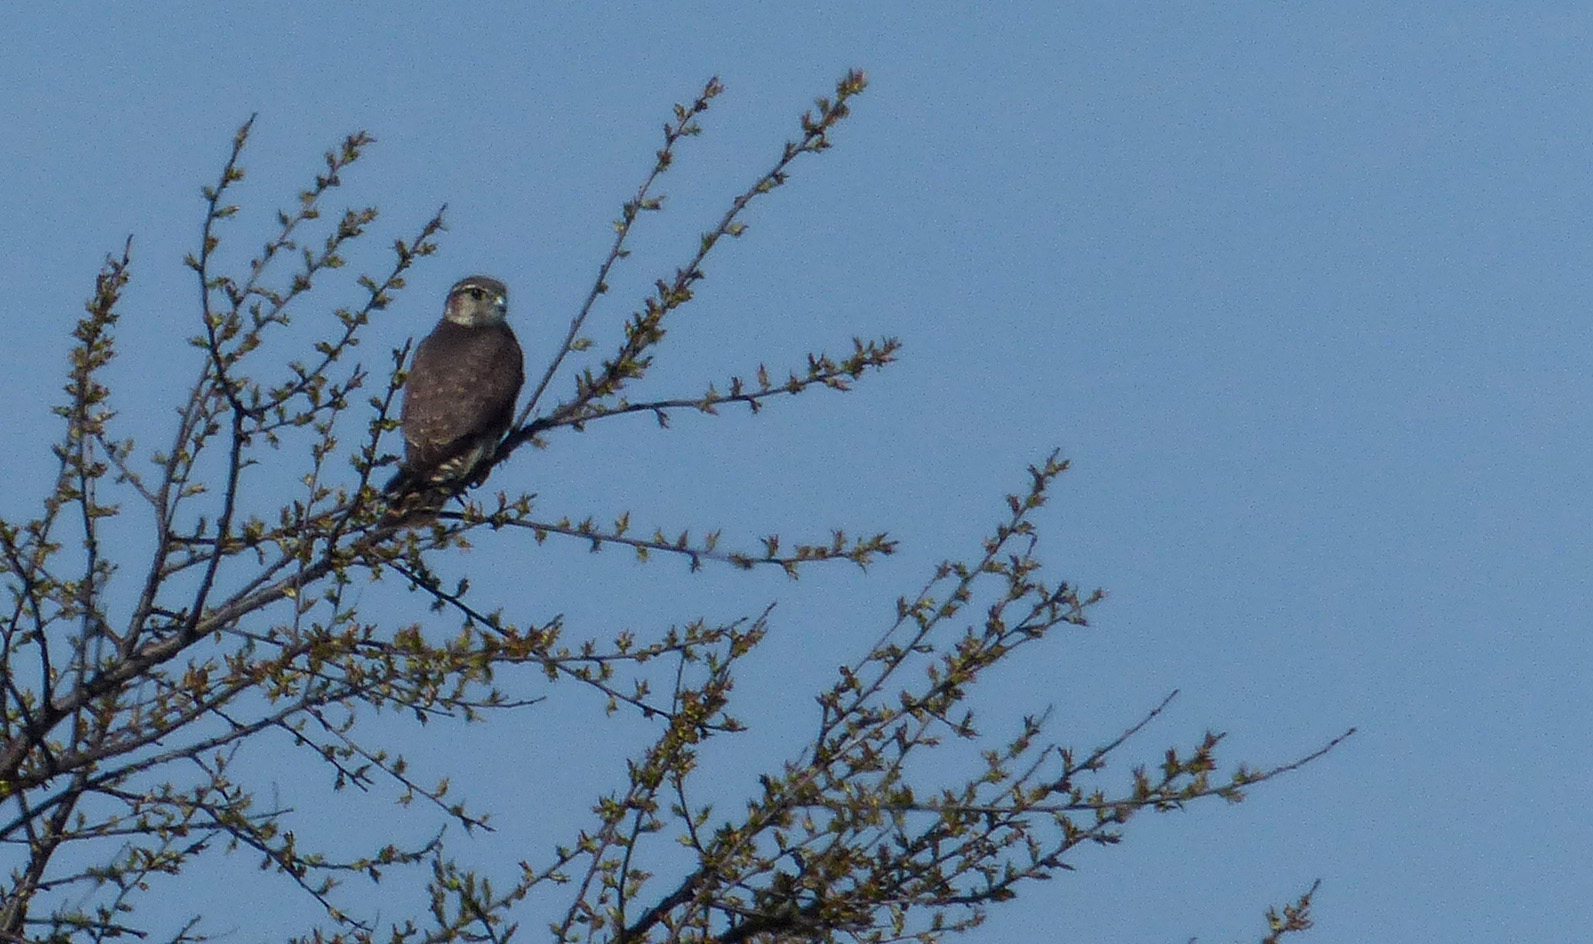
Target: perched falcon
column 460, row 396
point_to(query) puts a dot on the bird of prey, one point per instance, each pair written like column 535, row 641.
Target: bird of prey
column 460, row 395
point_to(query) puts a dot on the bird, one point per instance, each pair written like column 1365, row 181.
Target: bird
column 459, row 397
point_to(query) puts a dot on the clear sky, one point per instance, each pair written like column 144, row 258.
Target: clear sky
column 1301, row 289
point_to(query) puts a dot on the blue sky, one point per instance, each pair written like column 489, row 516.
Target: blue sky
column 1300, row 289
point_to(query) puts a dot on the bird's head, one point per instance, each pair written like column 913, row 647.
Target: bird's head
column 477, row 301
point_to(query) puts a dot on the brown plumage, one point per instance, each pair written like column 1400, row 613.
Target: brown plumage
column 460, row 396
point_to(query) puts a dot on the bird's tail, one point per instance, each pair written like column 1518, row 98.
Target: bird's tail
column 412, row 508
column 399, row 483
column 410, row 500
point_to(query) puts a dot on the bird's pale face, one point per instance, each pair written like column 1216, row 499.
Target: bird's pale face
column 477, row 302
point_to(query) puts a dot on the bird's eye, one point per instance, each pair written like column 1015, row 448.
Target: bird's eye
column 476, row 293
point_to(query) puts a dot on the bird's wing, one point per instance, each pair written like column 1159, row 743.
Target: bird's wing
column 461, row 388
